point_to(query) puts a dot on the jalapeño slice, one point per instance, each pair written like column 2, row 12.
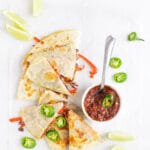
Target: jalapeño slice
column 108, row 101
column 47, row 111
column 53, row 135
column 115, row 62
column 61, row 122
column 120, row 77
column 28, row 142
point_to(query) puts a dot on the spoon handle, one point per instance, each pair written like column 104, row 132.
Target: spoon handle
column 109, row 44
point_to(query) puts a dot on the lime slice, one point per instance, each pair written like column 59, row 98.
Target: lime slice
column 37, row 7
column 120, row 136
column 116, row 147
column 16, row 20
column 18, row 34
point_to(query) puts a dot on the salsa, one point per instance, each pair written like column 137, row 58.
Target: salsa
column 102, row 106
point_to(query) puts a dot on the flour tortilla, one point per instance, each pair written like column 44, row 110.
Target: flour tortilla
column 81, row 135
column 27, row 90
column 42, row 74
column 49, row 96
column 35, row 122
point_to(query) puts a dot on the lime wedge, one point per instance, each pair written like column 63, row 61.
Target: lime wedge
column 120, row 136
column 116, row 147
column 37, row 7
column 18, row 34
column 16, row 20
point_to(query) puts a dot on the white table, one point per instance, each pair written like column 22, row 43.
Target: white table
column 95, row 19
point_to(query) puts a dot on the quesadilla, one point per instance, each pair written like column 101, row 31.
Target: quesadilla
column 42, row 74
column 37, row 123
column 60, row 49
column 59, row 137
column 49, row 96
column 81, row 135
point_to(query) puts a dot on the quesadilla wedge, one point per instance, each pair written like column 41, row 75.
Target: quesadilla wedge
column 57, row 138
column 37, row 119
column 81, row 135
column 57, row 39
column 49, row 96
column 42, row 74
column 60, row 49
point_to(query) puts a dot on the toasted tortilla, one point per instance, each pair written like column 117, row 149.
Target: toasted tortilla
column 81, row 135
column 27, row 90
column 59, row 48
column 57, row 39
column 62, row 144
column 42, row 74
column 75, row 108
column 49, row 96
column 35, row 122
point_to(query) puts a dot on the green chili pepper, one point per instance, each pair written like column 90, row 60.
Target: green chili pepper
column 133, row 37
column 61, row 122
column 108, row 101
column 120, row 77
column 53, row 135
column 47, row 110
column 28, row 142
column 115, row 62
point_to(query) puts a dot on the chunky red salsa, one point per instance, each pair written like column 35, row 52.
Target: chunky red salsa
column 94, row 103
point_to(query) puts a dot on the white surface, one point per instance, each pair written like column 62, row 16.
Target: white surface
column 95, row 19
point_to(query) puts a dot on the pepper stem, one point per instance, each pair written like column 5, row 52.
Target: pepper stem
column 139, row 39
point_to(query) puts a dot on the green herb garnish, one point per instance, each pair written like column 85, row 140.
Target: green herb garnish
column 115, row 62
column 108, row 101
column 120, row 77
column 133, row 37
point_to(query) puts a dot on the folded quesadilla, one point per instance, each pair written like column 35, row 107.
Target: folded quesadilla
column 60, row 49
column 57, row 138
column 81, row 135
column 37, row 119
column 49, row 96
column 42, row 74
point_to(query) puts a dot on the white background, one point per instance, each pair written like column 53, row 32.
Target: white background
column 95, row 19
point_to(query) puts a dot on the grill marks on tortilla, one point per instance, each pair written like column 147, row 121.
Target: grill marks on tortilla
column 28, row 88
column 81, row 135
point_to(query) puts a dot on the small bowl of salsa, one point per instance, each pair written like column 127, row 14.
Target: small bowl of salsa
column 100, row 106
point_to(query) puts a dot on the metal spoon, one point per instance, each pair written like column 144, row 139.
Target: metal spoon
column 109, row 45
